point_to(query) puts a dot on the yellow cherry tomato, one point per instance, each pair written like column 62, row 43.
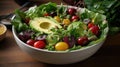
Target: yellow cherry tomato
column 61, row 46
column 57, row 18
column 66, row 22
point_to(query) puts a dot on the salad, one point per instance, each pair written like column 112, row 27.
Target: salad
column 59, row 28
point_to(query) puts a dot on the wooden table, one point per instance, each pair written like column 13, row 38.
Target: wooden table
column 12, row 56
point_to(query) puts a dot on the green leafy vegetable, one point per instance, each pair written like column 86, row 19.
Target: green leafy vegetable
column 33, row 12
column 77, row 29
column 40, row 10
column 56, row 36
column 110, row 8
column 62, row 11
column 18, row 21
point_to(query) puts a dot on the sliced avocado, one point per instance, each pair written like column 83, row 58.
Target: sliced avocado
column 44, row 25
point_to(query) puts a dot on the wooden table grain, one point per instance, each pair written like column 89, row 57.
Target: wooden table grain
column 12, row 56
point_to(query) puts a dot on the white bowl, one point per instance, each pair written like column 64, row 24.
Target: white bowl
column 57, row 57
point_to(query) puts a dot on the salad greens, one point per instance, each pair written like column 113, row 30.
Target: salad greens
column 110, row 8
column 39, row 11
column 18, row 21
column 79, row 28
column 74, row 34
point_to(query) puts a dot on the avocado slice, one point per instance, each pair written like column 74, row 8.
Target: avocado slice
column 42, row 24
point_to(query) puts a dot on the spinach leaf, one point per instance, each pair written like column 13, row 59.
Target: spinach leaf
column 18, row 21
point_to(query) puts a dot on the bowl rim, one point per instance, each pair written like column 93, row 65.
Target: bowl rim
column 45, row 50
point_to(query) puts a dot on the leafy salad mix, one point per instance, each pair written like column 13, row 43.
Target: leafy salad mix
column 110, row 8
column 68, row 28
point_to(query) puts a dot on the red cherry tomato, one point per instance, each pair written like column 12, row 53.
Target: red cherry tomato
column 30, row 42
column 74, row 18
column 94, row 29
column 90, row 25
column 71, row 11
column 82, row 40
column 39, row 44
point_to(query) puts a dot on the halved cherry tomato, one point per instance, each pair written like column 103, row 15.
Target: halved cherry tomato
column 30, row 42
column 82, row 40
column 66, row 22
column 57, row 18
column 39, row 44
column 61, row 46
column 74, row 18
column 90, row 25
column 71, row 11
column 94, row 29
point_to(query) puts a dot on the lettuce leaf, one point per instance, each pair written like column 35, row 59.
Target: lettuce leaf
column 40, row 10
column 77, row 29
